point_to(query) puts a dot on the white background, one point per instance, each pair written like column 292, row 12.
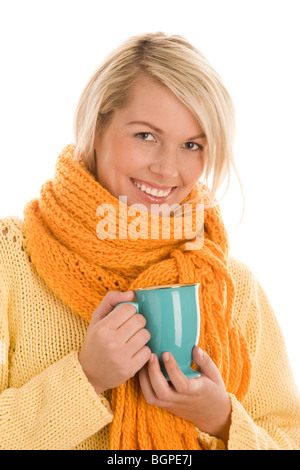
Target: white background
column 49, row 49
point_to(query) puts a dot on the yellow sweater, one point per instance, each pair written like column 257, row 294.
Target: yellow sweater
column 46, row 401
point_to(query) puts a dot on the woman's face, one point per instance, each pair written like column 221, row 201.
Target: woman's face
column 153, row 150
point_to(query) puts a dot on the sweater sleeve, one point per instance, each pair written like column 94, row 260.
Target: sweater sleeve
column 269, row 416
column 56, row 409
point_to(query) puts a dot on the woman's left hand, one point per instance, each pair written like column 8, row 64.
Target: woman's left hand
column 202, row 401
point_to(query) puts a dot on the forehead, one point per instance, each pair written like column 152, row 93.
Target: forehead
column 155, row 94
column 149, row 100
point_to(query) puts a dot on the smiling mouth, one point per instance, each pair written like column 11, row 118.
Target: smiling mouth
column 152, row 191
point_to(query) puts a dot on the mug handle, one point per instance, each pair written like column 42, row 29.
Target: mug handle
column 135, row 304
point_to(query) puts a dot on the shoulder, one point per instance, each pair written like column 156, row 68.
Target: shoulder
column 246, row 307
column 248, row 287
column 243, row 278
column 12, row 243
column 12, row 224
column 11, row 231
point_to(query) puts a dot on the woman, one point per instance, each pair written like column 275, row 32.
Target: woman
column 153, row 124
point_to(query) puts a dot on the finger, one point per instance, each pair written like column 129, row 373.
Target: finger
column 137, row 341
column 206, row 365
column 179, row 380
column 159, row 383
column 121, row 314
column 141, row 358
column 146, row 386
column 129, row 328
column 109, row 302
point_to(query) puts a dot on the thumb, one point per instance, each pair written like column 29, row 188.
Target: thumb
column 206, row 365
column 108, row 303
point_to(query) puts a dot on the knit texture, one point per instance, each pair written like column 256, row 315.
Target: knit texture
column 61, row 231
column 46, row 402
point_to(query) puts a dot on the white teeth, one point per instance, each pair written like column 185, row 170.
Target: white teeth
column 152, row 192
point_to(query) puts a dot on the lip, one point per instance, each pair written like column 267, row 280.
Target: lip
column 153, row 185
column 147, row 197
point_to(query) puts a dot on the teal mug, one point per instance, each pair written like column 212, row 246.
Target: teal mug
column 172, row 314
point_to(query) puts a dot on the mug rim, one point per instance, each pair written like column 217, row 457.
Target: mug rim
column 170, row 286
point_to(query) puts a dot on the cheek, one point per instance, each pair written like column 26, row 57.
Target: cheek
column 193, row 171
column 119, row 156
column 131, row 159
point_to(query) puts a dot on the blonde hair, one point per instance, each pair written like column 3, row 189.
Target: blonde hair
column 174, row 62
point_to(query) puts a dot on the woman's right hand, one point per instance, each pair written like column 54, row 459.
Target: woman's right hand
column 114, row 346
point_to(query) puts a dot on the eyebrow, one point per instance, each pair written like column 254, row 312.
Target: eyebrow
column 159, row 131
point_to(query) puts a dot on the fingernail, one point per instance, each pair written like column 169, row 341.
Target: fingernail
column 151, row 357
column 166, row 357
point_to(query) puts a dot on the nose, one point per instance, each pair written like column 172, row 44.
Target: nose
column 165, row 164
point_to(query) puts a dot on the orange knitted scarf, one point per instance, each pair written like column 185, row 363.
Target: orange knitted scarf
column 60, row 228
